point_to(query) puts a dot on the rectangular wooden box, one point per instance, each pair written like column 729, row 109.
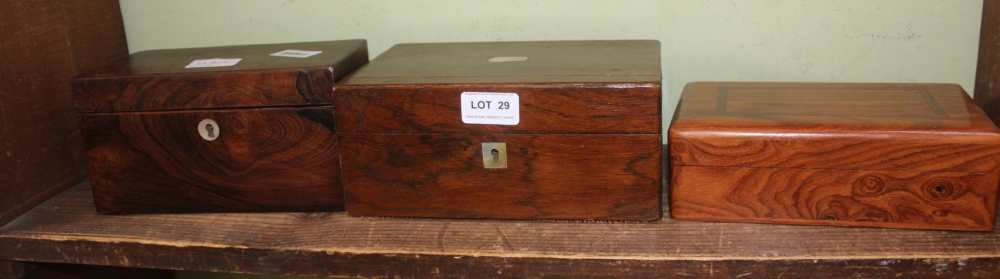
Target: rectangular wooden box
column 586, row 143
column 883, row 155
column 256, row 136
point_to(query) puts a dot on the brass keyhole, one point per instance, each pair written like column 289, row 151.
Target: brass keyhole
column 494, row 155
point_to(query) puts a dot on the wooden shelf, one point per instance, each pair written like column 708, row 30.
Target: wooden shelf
column 66, row 229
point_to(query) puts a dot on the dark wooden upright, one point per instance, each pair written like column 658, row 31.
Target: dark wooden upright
column 587, row 146
column 886, row 155
column 257, row 136
column 987, row 93
column 43, row 44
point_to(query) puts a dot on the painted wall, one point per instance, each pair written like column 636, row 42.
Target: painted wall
column 781, row 40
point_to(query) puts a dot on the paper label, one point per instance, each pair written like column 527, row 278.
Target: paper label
column 295, row 53
column 491, row 108
column 508, row 59
column 213, row 63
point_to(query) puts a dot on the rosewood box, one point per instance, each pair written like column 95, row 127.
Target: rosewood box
column 224, row 129
column 919, row 156
column 508, row 130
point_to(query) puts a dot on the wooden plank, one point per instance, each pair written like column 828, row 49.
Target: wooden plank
column 987, row 93
column 44, row 44
column 66, row 229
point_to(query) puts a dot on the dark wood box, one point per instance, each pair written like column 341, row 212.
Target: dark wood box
column 257, row 136
column 883, row 155
column 585, row 144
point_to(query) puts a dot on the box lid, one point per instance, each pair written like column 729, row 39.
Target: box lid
column 515, row 62
column 169, row 79
column 573, row 87
column 832, row 126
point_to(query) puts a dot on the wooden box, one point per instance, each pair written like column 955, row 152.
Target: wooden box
column 507, row 130
column 883, row 155
column 180, row 131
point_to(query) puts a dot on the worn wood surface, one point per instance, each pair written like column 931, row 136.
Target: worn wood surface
column 268, row 159
column 903, row 199
column 587, row 144
column 67, row 229
column 634, row 61
column 987, row 93
column 596, row 108
column 44, row 44
column 603, row 177
column 891, row 155
column 277, row 148
column 158, row 80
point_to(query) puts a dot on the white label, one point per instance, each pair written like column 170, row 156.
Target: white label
column 506, row 59
column 213, row 63
column 295, row 53
column 492, row 108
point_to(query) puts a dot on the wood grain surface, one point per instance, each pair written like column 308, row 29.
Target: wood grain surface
column 897, row 199
column 158, row 80
column 67, row 229
column 271, row 159
column 597, row 108
column 43, row 44
column 891, row 155
column 587, row 144
column 620, row 61
column 213, row 90
column 987, row 94
column 603, row 177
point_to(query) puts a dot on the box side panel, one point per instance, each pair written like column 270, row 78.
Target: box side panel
column 593, row 177
column 214, row 161
column 212, row 90
column 893, row 199
column 544, row 108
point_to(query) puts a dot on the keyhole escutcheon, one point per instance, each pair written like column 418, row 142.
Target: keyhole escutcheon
column 494, row 155
column 209, row 130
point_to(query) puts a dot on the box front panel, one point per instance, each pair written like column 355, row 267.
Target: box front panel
column 275, row 159
column 895, row 199
column 598, row 177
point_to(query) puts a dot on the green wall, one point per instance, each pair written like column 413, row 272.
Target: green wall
column 781, row 40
